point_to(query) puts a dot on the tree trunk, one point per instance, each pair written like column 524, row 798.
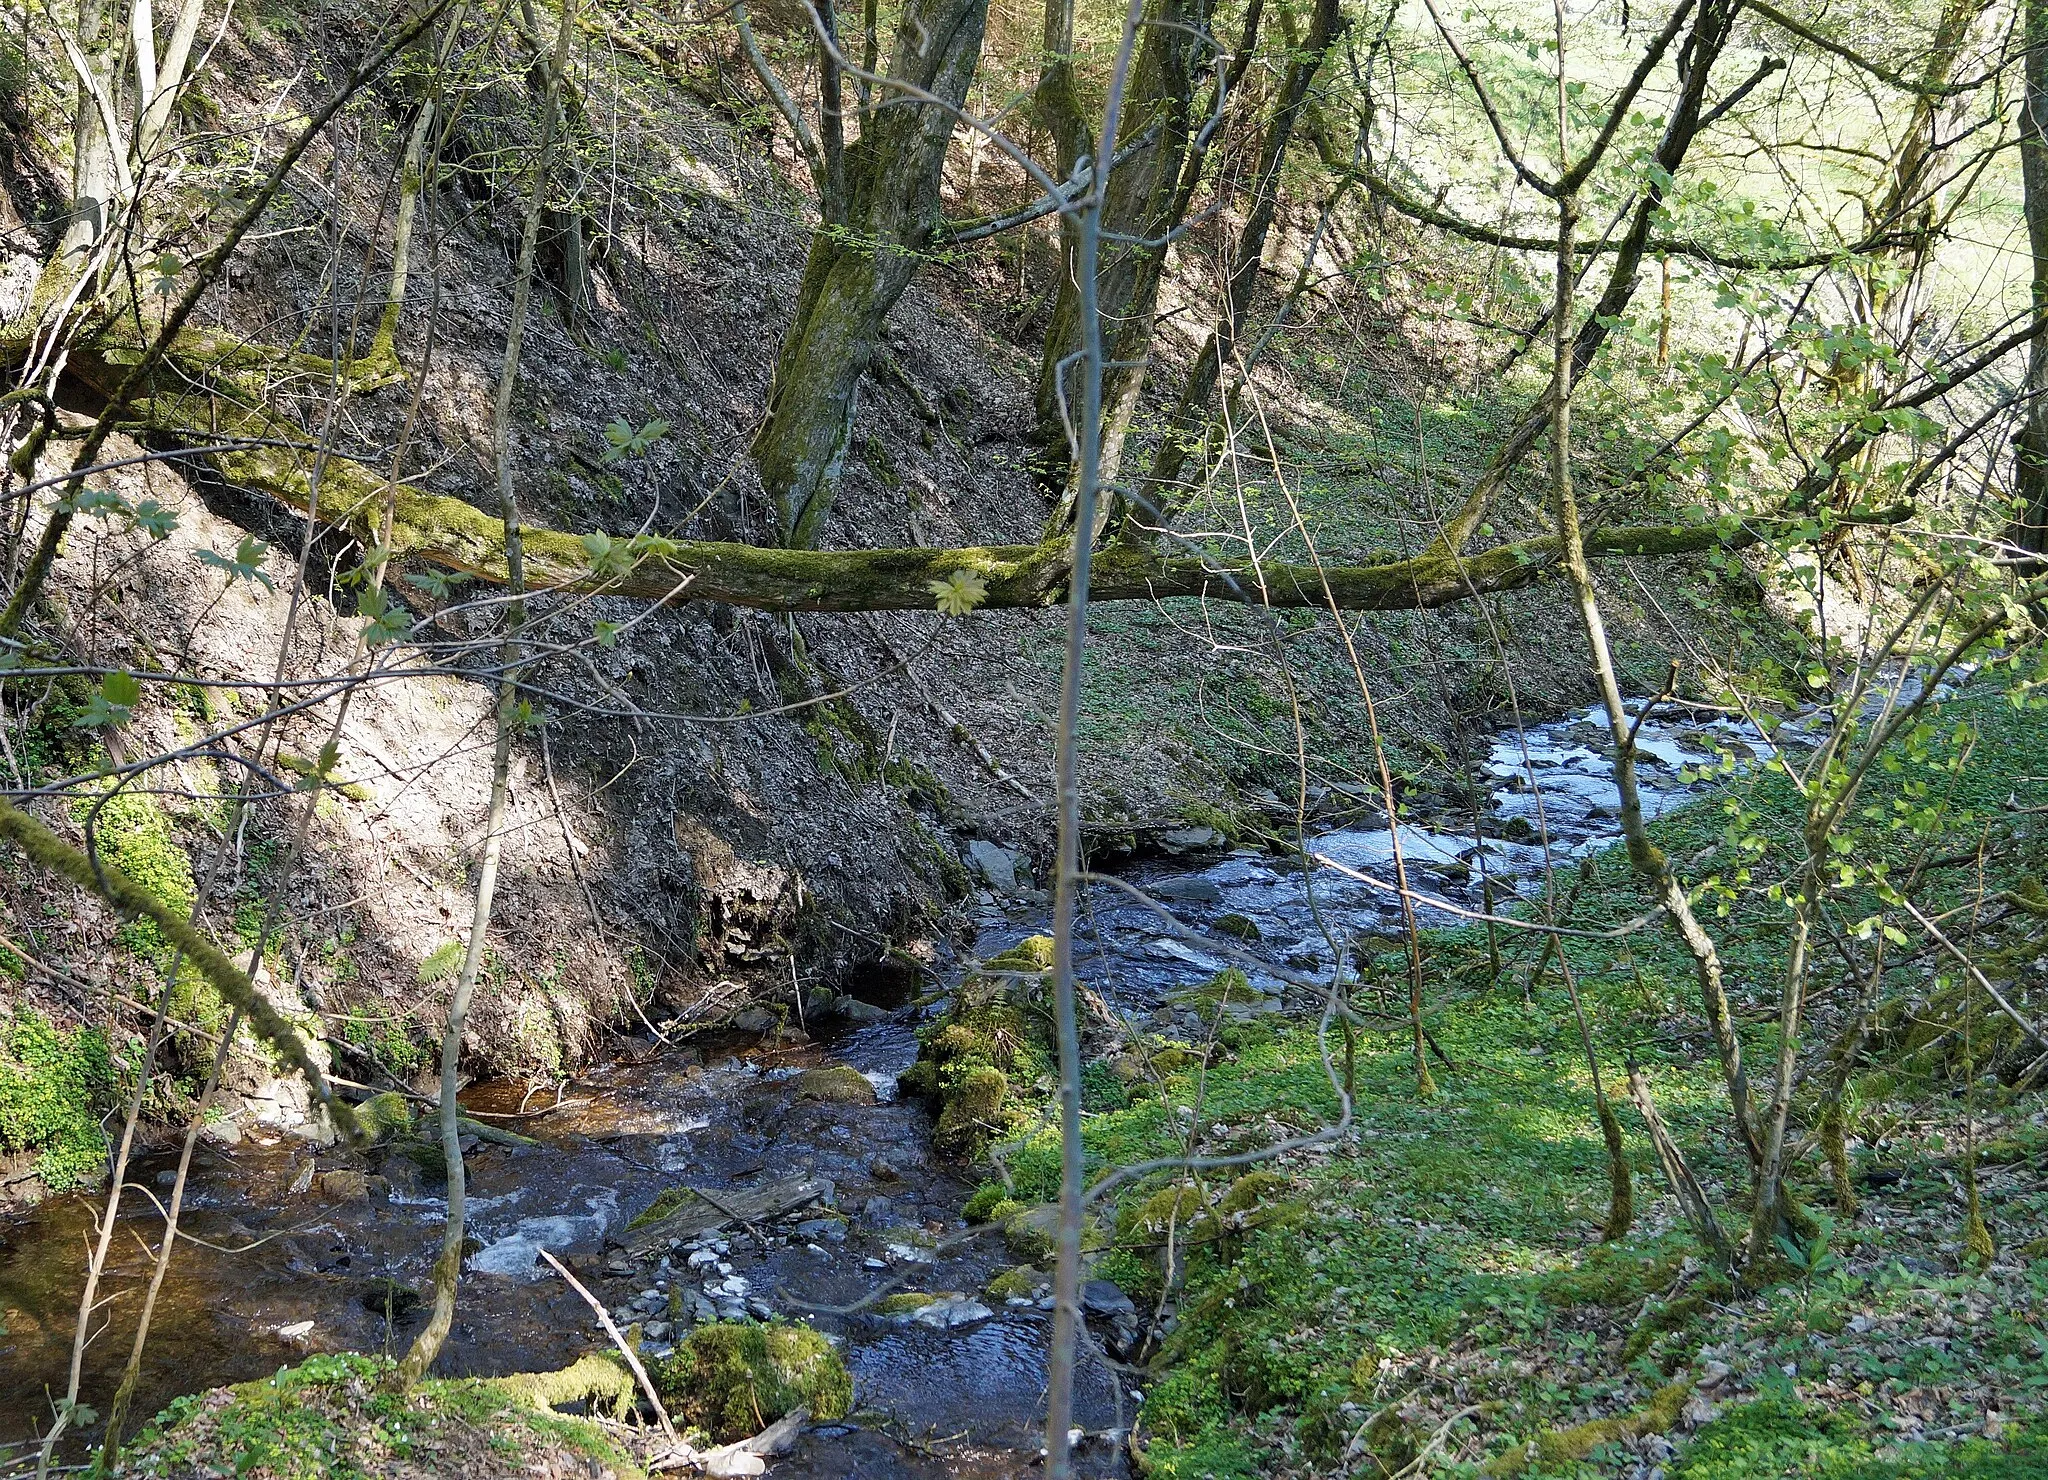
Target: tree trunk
column 856, row 272
column 1164, row 493
column 2031, row 447
column 1143, row 207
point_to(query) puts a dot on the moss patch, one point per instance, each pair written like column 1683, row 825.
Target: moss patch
column 732, row 1378
column 384, row 1117
column 53, row 1088
column 842, row 1084
column 996, row 1036
column 1560, row 1447
column 331, row 1418
column 670, row 1200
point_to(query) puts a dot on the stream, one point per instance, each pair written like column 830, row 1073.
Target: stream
column 291, row 1265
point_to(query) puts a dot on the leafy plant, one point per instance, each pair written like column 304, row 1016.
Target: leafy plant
column 959, row 593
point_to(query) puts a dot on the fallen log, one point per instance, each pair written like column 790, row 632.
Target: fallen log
column 705, row 1211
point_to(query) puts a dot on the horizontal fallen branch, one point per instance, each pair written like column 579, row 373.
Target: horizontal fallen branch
column 447, row 532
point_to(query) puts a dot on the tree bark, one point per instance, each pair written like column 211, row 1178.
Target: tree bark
column 1142, row 208
column 457, row 536
column 2030, row 531
column 448, row 1266
column 857, row 271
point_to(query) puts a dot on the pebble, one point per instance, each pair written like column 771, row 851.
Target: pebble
column 873, row 1263
column 656, row 1330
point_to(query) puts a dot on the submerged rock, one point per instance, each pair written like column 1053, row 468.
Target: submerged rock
column 839, row 1085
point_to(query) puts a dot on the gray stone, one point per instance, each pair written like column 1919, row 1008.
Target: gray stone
column 1103, row 1298
column 1180, row 841
column 1004, row 869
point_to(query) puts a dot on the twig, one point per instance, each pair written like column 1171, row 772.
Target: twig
column 632, row 1357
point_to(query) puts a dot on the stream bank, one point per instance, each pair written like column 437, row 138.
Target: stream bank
column 310, row 1251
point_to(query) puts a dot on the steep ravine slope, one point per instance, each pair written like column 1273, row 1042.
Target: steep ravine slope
column 673, row 842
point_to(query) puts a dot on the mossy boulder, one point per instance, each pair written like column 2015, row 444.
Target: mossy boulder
column 995, row 1041
column 1020, row 1282
column 384, row 1117
column 1240, row 927
column 426, row 1158
column 973, row 1113
column 842, row 1084
column 732, row 1379
column 907, row 1302
column 1226, row 989
column 1147, row 1224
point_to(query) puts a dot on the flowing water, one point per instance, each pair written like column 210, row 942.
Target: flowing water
column 271, row 1273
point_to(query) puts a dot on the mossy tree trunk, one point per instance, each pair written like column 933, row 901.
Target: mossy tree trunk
column 861, row 261
column 1143, row 207
column 2031, row 461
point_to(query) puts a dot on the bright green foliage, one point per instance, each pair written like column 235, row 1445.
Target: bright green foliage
column 734, row 1378
column 1774, row 1437
column 53, row 1088
column 132, row 832
column 442, row 962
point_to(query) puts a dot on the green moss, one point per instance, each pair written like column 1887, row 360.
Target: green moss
column 905, row 1301
column 1020, row 1282
column 973, row 1113
column 53, row 1089
column 1557, row 1448
column 842, row 1084
column 336, row 1418
column 1612, row 1276
column 670, row 1200
column 385, row 1116
column 1243, row 927
column 1227, row 988
column 732, row 1379
column 131, row 832
column 597, row 1378
column 978, row 1207
column 1169, row 1210
column 995, row 1037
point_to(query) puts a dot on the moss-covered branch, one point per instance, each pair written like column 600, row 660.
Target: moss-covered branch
column 457, row 536
column 51, row 852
